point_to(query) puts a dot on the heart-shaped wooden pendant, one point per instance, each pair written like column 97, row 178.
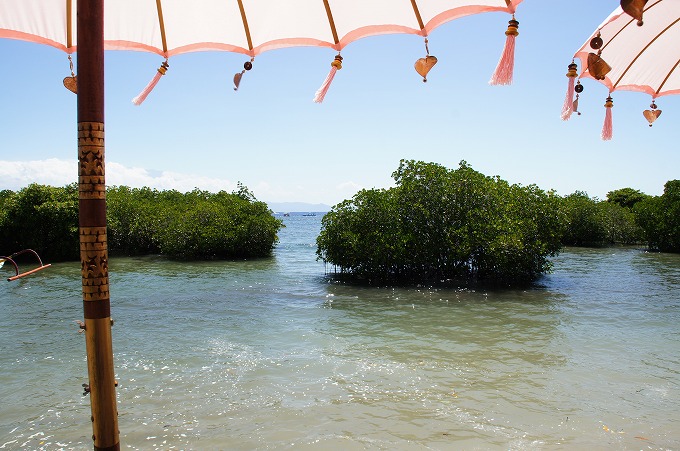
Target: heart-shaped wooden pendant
column 598, row 67
column 651, row 115
column 423, row 65
column 237, row 80
column 71, row 83
column 634, row 8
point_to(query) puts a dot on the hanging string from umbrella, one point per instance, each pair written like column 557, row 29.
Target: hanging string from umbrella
column 653, row 114
column 423, row 65
column 506, row 65
column 70, row 83
column 570, row 105
column 336, row 64
column 248, row 65
column 164, row 65
column 599, row 69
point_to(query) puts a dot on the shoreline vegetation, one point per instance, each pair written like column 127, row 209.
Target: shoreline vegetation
column 196, row 225
column 435, row 225
column 442, row 226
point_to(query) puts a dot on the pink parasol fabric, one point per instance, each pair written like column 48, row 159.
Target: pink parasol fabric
column 634, row 49
column 642, row 58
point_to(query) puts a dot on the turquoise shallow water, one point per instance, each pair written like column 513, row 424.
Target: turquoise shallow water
column 272, row 354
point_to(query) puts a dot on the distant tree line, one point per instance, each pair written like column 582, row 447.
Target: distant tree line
column 435, row 224
column 439, row 224
column 627, row 216
column 193, row 225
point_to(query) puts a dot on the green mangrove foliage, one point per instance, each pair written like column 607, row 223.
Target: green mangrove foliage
column 193, row 225
column 626, row 197
column 659, row 218
column 595, row 223
column 43, row 218
column 626, row 217
column 439, row 224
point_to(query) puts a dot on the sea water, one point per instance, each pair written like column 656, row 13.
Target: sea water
column 275, row 354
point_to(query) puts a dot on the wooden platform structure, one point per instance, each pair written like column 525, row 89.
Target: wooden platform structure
column 12, row 260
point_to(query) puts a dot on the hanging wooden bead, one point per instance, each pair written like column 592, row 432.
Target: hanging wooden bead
column 337, row 62
column 598, row 67
column 597, row 42
column 71, row 83
column 237, row 77
column 634, row 8
column 579, row 89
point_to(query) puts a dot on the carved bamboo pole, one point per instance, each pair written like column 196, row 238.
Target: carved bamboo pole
column 92, row 222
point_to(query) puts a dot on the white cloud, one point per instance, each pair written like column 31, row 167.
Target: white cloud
column 15, row 175
column 348, row 189
column 117, row 174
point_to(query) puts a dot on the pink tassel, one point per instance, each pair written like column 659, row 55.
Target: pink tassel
column 152, row 84
column 336, row 65
column 568, row 106
column 321, row 93
column 503, row 73
column 608, row 127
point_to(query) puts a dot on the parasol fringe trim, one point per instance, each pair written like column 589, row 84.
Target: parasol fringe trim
column 608, row 127
column 335, row 66
column 321, row 93
column 506, row 65
column 568, row 106
column 152, row 84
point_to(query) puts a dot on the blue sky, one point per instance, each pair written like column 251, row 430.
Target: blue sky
column 195, row 131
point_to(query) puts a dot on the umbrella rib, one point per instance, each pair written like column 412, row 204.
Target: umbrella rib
column 245, row 24
column 69, row 24
column 418, row 16
column 331, row 21
column 643, row 51
column 511, row 8
column 626, row 26
column 162, row 25
column 667, row 77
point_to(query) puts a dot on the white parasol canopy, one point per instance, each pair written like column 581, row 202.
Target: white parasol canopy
column 250, row 27
column 172, row 27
